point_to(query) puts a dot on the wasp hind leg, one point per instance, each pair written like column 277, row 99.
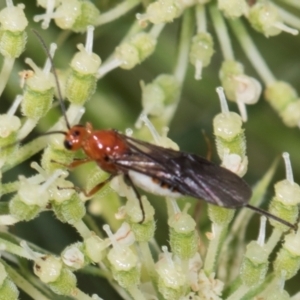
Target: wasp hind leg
column 129, row 182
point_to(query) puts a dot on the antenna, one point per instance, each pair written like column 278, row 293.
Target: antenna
column 62, row 106
column 271, row 216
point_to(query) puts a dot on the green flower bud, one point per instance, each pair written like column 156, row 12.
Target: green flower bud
column 8, row 290
column 255, row 265
column 96, row 175
column 21, row 210
column 137, row 49
column 161, row 11
column 69, row 211
column 233, row 8
column 9, row 125
column 285, row 212
column 288, row 258
column 61, row 191
column 183, row 236
column 285, row 203
column 134, row 212
column 81, row 81
column 229, row 71
column 32, row 197
column 73, row 256
column 284, row 100
column 65, row 283
column 53, row 154
column 144, row 43
column 171, row 278
column 239, row 87
column 48, row 268
column 280, row 94
column 143, row 232
column 163, row 91
column 263, row 16
column 291, row 115
column 228, row 128
column 287, row 193
column 12, row 33
column 76, row 15
column 231, row 141
column 95, row 248
column 124, row 266
column 38, row 92
column 88, row 16
column 51, row 271
column 220, row 215
column 128, row 55
column 202, row 49
column 170, row 87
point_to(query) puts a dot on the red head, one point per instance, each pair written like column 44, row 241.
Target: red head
column 76, row 136
column 101, row 146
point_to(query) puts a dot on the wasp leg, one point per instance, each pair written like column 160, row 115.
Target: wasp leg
column 75, row 163
column 130, row 183
column 98, row 187
column 94, row 190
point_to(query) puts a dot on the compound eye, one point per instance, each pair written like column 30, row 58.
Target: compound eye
column 68, row 145
column 76, row 133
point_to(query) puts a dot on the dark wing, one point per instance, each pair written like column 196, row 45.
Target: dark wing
column 189, row 174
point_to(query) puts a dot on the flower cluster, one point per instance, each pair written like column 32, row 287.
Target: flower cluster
column 127, row 242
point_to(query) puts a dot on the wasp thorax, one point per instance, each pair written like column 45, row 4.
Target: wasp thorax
column 75, row 137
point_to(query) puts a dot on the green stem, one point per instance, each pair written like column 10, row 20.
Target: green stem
column 10, row 187
column 294, row 3
column 136, row 293
column 156, row 30
column 201, row 18
column 23, row 283
column 148, row 259
column 251, row 51
column 14, row 249
column 149, row 263
column 213, row 248
column 273, row 240
column 82, row 229
column 8, row 64
column 25, row 152
column 239, row 293
column 82, row 296
column 288, row 18
column 180, row 69
column 184, row 46
column 117, row 12
column 222, row 32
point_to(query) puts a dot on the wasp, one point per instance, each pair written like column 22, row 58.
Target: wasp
column 158, row 170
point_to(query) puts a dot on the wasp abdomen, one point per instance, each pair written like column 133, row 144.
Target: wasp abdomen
column 153, row 185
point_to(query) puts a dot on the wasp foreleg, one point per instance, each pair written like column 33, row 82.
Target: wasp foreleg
column 93, row 191
column 75, row 163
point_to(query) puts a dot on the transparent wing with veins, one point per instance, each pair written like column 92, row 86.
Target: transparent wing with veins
column 185, row 173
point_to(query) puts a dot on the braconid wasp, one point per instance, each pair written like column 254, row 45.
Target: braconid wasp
column 158, row 170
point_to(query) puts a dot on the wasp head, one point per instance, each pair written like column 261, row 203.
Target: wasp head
column 75, row 137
